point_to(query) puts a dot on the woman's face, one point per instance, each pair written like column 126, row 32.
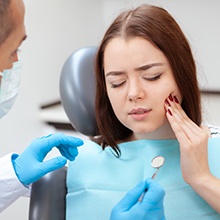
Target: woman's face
column 138, row 80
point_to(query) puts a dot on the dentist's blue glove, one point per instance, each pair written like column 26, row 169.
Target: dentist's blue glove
column 150, row 208
column 30, row 167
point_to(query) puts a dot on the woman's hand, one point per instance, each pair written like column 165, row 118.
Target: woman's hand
column 193, row 140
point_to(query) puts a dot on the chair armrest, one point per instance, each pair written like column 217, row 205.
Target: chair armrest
column 48, row 197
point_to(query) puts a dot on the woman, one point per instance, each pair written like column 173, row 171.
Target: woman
column 147, row 104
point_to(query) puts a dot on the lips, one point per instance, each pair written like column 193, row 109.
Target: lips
column 138, row 111
column 139, row 114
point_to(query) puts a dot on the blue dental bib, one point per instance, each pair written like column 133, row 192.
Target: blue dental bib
column 97, row 180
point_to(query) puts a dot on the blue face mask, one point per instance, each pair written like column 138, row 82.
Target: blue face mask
column 9, row 87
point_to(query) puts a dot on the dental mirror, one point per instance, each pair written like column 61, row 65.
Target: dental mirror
column 157, row 162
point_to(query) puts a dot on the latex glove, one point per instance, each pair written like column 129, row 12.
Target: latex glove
column 150, row 208
column 30, row 167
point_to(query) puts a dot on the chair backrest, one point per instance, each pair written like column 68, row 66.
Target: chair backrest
column 48, row 197
column 77, row 90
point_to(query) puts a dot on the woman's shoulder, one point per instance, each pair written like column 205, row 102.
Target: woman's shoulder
column 93, row 151
column 214, row 130
column 89, row 146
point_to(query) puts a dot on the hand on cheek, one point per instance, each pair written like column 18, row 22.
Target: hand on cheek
column 193, row 140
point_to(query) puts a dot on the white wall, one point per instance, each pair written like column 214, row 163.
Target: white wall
column 55, row 28
column 200, row 21
column 211, row 109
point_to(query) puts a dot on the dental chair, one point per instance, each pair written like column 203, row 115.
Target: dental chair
column 77, row 92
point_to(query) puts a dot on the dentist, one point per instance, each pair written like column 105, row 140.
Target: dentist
column 17, row 172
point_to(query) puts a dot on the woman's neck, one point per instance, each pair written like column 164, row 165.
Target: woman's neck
column 162, row 133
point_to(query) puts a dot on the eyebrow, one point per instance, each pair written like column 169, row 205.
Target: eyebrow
column 144, row 67
column 148, row 66
column 23, row 39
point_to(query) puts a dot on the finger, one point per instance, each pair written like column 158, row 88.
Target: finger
column 69, row 152
column 177, row 129
column 187, row 131
column 180, row 115
column 46, row 143
column 131, row 198
column 182, row 132
column 57, row 139
column 188, row 126
column 52, row 164
column 183, row 127
column 154, row 194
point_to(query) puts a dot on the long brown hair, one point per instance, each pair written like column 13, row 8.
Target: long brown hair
column 156, row 25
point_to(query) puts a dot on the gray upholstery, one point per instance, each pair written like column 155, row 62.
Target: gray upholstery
column 48, row 197
column 77, row 90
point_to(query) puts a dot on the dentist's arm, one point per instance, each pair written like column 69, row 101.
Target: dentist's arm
column 30, row 165
column 150, row 208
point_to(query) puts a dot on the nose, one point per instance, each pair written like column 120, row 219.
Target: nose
column 136, row 91
column 13, row 59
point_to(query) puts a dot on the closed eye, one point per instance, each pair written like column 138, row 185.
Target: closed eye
column 152, row 78
column 116, row 85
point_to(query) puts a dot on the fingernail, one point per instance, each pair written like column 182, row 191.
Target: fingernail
column 169, row 111
column 170, row 98
column 176, row 100
column 167, row 102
